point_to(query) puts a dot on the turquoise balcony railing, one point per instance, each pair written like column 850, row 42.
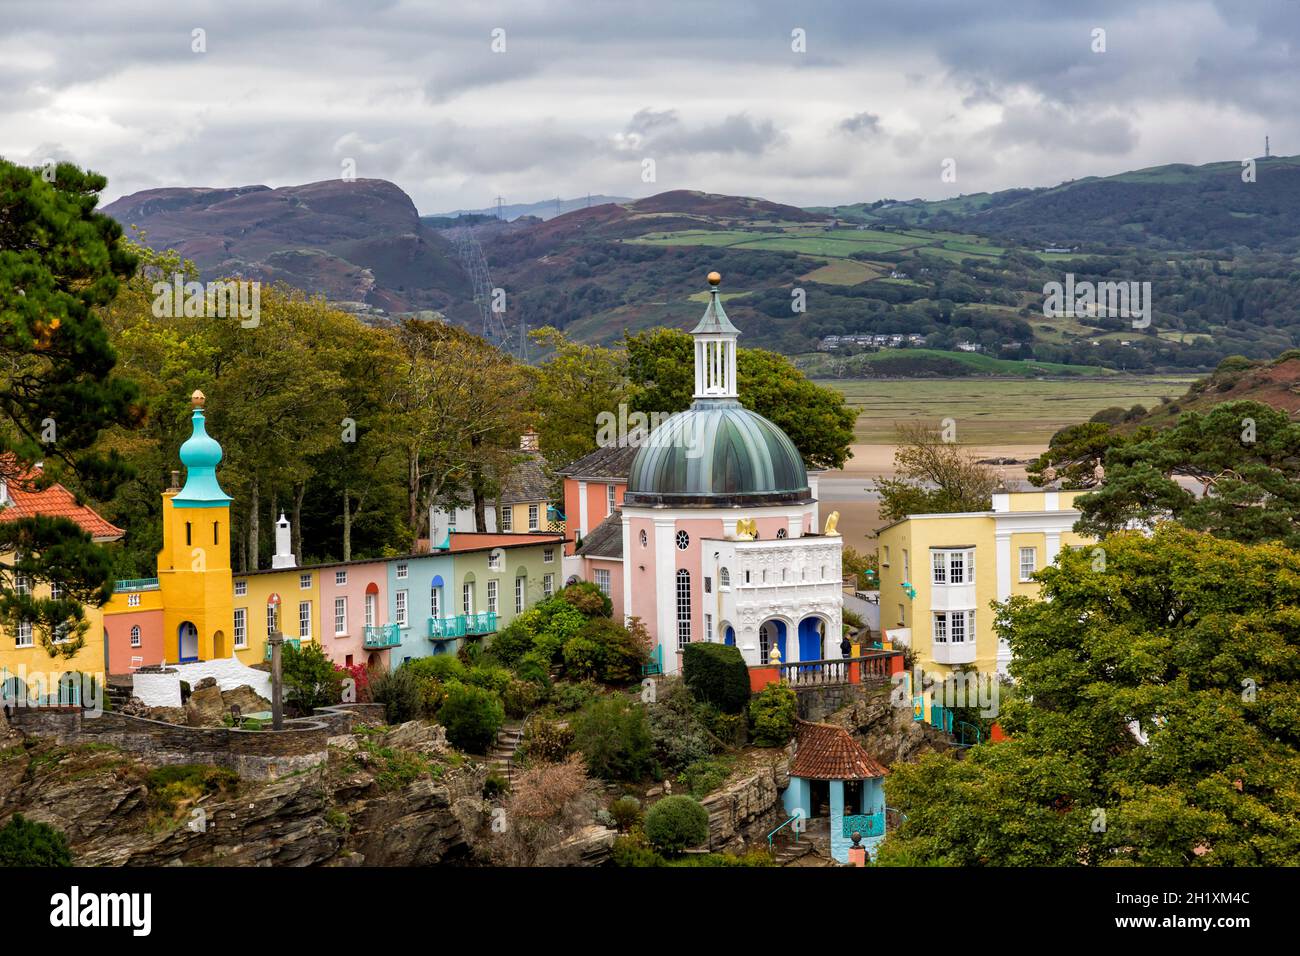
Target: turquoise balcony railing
column 136, row 584
column 378, row 636
column 295, row 641
column 867, row 824
column 448, row 628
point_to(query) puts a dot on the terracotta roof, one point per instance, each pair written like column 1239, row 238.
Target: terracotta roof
column 23, row 500
column 606, row 539
column 827, row 752
column 613, row 462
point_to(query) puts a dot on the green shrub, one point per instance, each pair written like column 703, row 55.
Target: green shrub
column 680, row 738
column 731, row 730
column 676, row 823
column 705, row 776
column 584, row 657
column 520, row 697
column 535, row 666
column 546, row 741
column 570, row 697
column 588, row 599
column 490, row 677
column 472, row 717
column 633, row 852
column 614, row 738
column 716, row 674
column 494, row 785
column 773, row 712
column 444, row 668
column 401, row 693
column 26, row 842
column 622, row 651
column 627, row 813
column 516, row 640
column 310, row 678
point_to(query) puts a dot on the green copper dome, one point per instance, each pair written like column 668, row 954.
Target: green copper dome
column 717, row 453
column 200, row 455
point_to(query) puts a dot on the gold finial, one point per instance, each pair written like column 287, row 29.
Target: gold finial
column 715, row 278
column 197, row 399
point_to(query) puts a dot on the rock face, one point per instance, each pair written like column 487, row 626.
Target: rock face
column 749, row 804
column 205, row 707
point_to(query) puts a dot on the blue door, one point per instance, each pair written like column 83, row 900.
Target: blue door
column 810, row 640
column 730, row 637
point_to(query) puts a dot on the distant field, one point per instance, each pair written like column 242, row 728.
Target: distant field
column 991, row 411
column 820, row 364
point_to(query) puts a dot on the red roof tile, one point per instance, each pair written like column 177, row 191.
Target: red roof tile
column 23, row 500
column 827, row 752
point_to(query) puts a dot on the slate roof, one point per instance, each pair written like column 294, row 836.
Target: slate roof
column 613, row 462
column 25, row 501
column 606, row 539
column 527, row 481
column 827, row 752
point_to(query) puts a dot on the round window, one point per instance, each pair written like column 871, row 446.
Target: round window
column 683, row 540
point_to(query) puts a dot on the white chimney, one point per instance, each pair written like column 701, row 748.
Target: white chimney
column 283, row 557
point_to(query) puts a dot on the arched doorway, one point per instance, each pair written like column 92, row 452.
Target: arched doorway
column 372, row 660
column 187, row 638
column 771, row 634
column 219, row 648
column 812, row 639
column 729, row 635
column 13, row 692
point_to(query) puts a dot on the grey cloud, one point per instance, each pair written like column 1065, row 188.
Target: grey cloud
column 861, row 124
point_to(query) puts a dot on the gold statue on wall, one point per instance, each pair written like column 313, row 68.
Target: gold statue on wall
column 832, row 521
column 746, row 529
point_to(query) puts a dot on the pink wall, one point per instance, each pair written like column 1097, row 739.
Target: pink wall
column 615, row 569
column 598, row 501
column 118, row 627
column 642, row 603
column 360, row 577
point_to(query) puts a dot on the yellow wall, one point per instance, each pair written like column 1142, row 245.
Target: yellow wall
column 194, row 577
column 286, row 584
column 519, row 516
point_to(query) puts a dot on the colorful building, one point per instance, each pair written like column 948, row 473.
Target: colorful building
column 940, row 574
column 833, row 779
column 715, row 532
column 524, row 504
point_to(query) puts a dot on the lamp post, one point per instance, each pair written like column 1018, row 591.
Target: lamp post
column 276, row 640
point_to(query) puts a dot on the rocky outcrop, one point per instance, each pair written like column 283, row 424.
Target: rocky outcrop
column 590, row 846
column 749, row 804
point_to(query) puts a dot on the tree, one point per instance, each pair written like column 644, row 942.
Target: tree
column 717, row 675
column 934, row 477
column 26, row 842
column 310, row 678
column 1075, row 455
column 573, row 386
column 817, row 420
column 1246, row 457
column 60, row 261
column 1155, row 720
column 614, row 738
column 472, row 717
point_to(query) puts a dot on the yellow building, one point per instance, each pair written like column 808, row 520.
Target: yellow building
column 940, row 574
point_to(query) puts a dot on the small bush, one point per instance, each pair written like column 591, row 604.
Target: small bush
column 443, row 668
column 494, row 786
column 705, row 776
column 618, row 652
column 26, row 842
column 489, row 677
column 545, row 742
column 584, row 657
column 773, row 712
column 472, row 717
column 676, row 823
column 613, row 736
column 716, row 674
column 515, row 641
column 310, row 678
column 627, row 813
column 588, row 599
column 680, row 738
column 520, row 697
column 401, row 693
column 570, row 697
column 535, row 667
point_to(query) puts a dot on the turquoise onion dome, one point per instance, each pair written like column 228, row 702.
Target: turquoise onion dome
column 717, row 453
column 200, row 455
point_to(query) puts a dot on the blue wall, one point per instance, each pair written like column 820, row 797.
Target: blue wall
column 420, row 572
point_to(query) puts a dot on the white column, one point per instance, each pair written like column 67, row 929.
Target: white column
column 1053, row 546
column 628, row 560
column 1003, row 539
column 582, row 508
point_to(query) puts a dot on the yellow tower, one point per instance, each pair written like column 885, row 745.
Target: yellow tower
column 194, row 564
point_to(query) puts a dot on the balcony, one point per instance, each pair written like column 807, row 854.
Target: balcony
column 449, row 628
column 295, row 641
column 865, row 824
column 136, row 584
column 379, row 636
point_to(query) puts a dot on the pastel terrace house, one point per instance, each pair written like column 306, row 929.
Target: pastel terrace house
column 378, row 612
column 940, row 574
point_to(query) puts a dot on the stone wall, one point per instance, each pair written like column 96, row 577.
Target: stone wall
column 819, row 701
column 253, row 754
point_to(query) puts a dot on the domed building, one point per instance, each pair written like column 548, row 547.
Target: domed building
column 719, row 527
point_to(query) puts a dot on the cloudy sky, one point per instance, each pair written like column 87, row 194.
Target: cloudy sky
column 460, row 102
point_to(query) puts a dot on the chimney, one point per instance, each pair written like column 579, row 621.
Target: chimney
column 528, row 441
column 283, row 557
column 176, row 481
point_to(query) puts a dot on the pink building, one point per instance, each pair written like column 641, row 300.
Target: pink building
column 354, row 613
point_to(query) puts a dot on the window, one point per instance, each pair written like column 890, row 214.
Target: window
column 519, row 594
column 611, row 499
column 401, row 572
column 189, row 530
column 901, row 618
column 24, row 636
column 270, row 619
column 780, row 532
column 907, row 566
column 467, row 598
column 241, row 627
column 1028, row 563
column 683, row 607
column 304, row 582
column 724, row 578
column 494, row 561
column 400, row 608
column 645, row 539
column 492, row 596
column 957, row 567
column 534, row 517
column 940, row 567
column 507, row 518
column 959, row 621
column 340, row 615
column 764, row 644
column 304, row 620
column 548, row 556
column 708, row 627
column 435, row 602
column 683, row 540
column 56, row 592
column 953, row 567
column 941, row 628
column 22, row 584
column 216, row 525
column 135, row 636
column 953, row 627
column 548, row 585
column 370, row 610
column 340, row 578
column 885, row 559
column 708, row 585
column 241, row 588
column 602, row 580
column 133, row 600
